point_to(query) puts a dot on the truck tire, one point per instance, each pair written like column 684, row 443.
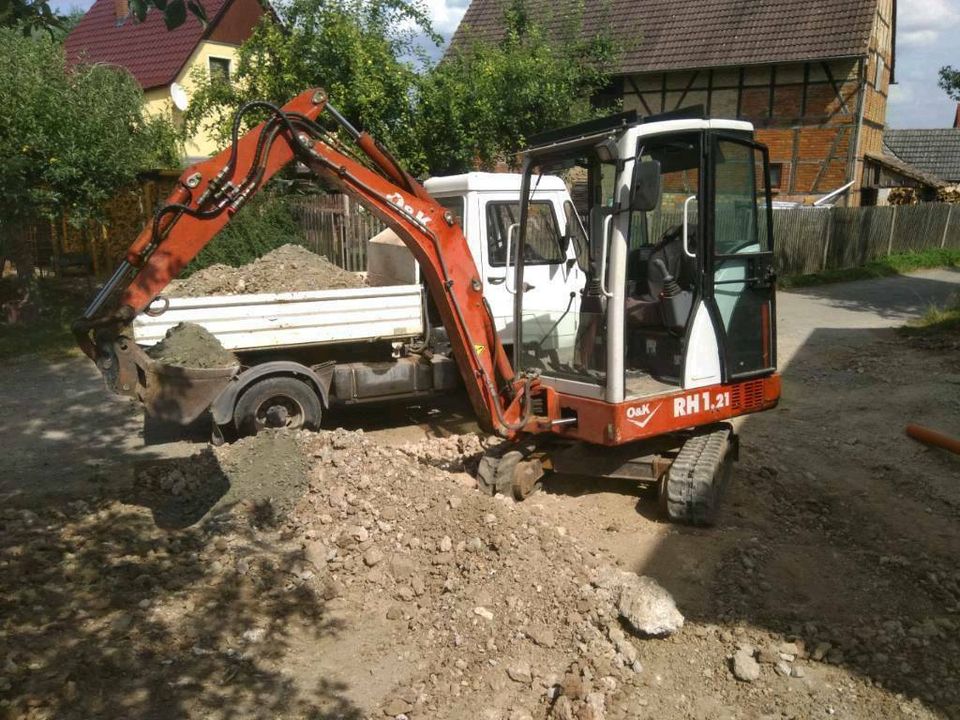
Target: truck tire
column 277, row 402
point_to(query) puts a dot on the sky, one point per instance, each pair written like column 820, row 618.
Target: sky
column 926, row 33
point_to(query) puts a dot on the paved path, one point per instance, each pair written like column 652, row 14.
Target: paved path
column 61, row 431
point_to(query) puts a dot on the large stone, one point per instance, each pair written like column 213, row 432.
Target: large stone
column 745, row 668
column 647, row 607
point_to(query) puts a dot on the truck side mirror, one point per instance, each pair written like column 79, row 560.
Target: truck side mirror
column 565, row 241
column 647, row 185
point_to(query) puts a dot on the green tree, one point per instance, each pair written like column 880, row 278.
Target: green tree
column 363, row 52
column 30, row 16
column 70, row 137
column 950, row 82
column 479, row 106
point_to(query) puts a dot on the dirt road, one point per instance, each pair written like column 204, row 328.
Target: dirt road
column 837, row 545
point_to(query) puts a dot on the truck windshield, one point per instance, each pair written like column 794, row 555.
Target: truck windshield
column 562, row 334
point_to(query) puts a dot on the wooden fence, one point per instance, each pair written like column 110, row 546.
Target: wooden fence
column 809, row 240
column 806, row 240
column 337, row 227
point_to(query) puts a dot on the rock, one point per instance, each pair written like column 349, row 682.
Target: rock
column 394, row 612
column 541, row 635
column 372, row 556
column 519, row 714
column 797, row 672
column 483, row 612
column 254, row 635
column 782, row 668
column 647, row 607
column 397, row 706
column 745, row 668
column 316, row 553
column 331, row 590
column 789, row 648
column 418, row 585
column 596, row 707
column 446, row 544
column 489, row 519
column 454, row 502
column 359, row 533
column 768, row 656
column 474, row 545
column 563, row 709
column 821, row 650
column 520, row 672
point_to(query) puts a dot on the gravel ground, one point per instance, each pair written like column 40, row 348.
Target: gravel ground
column 376, row 582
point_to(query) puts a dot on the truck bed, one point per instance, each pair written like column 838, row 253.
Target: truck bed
column 274, row 320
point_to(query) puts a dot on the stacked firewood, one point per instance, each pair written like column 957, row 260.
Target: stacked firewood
column 950, row 194
column 903, row 196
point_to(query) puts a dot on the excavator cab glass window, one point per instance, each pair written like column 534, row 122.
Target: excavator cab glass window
column 565, row 337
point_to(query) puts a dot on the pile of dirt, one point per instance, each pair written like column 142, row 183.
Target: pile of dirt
column 289, row 268
column 192, row 346
column 464, row 593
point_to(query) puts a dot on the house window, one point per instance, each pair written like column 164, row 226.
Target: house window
column 776, row 175
column 220, row 69
column 878, row 77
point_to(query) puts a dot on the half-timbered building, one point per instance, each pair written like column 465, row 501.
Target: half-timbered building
column 811, row 75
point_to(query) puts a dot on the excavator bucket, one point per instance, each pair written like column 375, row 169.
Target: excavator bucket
column 168, row 392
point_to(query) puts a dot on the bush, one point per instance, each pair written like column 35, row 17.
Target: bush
column 262, row 225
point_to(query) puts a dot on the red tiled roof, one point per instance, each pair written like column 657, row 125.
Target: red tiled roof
column 152, row 54
column 658, row 35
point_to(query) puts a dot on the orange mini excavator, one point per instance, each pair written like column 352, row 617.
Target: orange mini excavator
column 636, row 376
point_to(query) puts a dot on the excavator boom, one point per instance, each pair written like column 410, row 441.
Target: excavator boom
column 209, row 194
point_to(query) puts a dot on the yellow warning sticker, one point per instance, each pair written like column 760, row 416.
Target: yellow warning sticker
column 479, row 349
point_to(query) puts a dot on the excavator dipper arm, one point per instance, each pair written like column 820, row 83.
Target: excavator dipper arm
column 210, row 193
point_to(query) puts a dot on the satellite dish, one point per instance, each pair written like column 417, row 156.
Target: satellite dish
column 179, row 96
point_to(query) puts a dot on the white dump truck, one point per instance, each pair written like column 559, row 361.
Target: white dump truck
column 304, row 352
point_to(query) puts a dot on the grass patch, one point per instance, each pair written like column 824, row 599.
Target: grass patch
column 891, row 265
column 938, row 329
column 47, row 334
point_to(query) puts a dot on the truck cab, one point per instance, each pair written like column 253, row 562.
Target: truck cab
column 487, row 208
column 487, row 205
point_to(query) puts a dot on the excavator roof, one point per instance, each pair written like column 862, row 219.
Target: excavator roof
column 486, row 182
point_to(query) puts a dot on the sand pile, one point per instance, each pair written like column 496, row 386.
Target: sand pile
column 290, row 268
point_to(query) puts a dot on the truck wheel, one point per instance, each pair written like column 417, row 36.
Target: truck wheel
column 277, row 402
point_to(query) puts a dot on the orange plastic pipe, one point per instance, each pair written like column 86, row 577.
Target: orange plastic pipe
column 932, row 437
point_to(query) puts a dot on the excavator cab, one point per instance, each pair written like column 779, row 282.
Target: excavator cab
column 673, row 226
column 673, row 331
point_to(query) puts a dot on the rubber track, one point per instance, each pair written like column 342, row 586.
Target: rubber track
column 692, row 493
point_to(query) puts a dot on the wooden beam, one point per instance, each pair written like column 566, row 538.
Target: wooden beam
column 841, row 131
column 686, row 90
column 836, row 89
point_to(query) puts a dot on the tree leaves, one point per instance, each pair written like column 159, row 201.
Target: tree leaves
column 76, row 137
column 950, row 82
column 174, row 13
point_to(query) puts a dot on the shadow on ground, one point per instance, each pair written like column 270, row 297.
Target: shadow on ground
column 105, row 615
column 837, row 530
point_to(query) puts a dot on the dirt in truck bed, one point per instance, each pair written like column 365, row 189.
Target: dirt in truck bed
column 190, row 345
column 289, row 268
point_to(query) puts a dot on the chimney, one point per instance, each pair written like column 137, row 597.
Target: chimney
column 956, row 118
column 121, row 9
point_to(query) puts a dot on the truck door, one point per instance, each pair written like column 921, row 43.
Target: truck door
column 739, row 229
column 545, row 268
